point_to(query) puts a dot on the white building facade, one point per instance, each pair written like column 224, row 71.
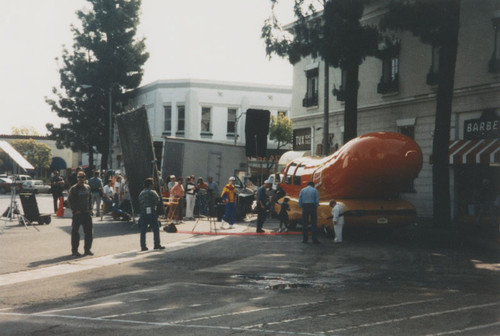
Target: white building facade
column 206, row 110
column 398, row 93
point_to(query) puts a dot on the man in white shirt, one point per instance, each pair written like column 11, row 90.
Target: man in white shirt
column 338, row 220
column 107, row 197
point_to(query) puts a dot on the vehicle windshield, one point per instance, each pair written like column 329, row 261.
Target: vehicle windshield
column 237, row 182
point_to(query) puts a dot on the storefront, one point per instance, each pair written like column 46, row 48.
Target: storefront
column 475, row 166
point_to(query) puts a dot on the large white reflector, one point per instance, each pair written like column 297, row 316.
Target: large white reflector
column 18, row 158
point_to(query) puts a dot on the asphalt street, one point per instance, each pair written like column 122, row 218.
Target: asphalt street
column 236, row 282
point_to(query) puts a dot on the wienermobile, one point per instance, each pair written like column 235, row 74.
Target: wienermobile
column 365, row 176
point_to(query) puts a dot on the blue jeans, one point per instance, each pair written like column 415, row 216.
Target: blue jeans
column 144, row 221
column 230, row 214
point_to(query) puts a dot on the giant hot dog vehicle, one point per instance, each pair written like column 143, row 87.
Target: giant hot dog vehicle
column 365, row 176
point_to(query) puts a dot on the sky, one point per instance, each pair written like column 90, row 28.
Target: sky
column 187, row 39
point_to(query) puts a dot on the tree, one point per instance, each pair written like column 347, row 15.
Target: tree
column 38, row 154
column 106, row 60
column 24, row 131
column 281, row 130
column 437, row 24
column 334, row 32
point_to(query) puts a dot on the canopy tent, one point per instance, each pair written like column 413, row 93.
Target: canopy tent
column 15, row 155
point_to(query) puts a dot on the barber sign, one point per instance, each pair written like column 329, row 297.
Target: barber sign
column 486, row 127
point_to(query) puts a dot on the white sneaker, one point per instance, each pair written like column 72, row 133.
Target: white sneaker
column 222, row 224
column 230, row 227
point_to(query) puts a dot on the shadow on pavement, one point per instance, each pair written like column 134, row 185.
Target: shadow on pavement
column 52, row 261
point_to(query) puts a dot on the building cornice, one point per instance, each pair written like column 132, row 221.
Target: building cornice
column 458, row 92
column 207, row 84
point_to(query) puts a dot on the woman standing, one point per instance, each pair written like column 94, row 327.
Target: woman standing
column 190, row 198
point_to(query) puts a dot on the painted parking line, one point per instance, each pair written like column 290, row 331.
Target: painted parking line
column 85, row 264
column 247, row 329
column 347, row 312
column 473, row 328
column 163, row 324
column 413, row 317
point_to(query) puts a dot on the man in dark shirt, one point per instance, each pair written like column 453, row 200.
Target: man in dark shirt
column 262, row 201
column 79, row 199
column 56, row 188
column 149, row 203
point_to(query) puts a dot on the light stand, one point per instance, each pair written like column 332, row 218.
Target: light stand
column 13, row 208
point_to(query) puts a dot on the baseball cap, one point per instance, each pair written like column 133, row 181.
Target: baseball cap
column 232, row 178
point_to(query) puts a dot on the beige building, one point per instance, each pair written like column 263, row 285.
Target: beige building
column 398, row 94
column 61, row 158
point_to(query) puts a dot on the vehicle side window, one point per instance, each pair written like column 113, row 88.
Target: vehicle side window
column 289, row 173
column 298, row 174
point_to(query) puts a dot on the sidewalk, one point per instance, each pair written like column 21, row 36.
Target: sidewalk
column 41, row 246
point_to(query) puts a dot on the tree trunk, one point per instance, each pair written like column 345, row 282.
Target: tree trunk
column 351, row 101
column 446, row 76
column 104, row 160
column 91, row 158
column 326, row 122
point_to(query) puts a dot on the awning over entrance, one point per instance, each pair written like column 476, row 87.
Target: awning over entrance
column 58, row 163
column 484, row 151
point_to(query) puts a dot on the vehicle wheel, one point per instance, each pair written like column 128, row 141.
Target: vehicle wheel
column 48, row 220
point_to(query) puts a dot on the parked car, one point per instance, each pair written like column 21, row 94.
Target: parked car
column 36, row 185
column 5, row 184
column 21, row 178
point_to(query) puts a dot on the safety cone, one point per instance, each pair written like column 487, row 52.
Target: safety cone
column 60, row 209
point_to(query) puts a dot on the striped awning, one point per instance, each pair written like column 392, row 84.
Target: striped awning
column 483, row 151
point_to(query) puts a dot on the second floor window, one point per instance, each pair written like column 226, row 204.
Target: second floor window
column 311, row 98
column 231, row 121
column 168, row 119
column 390, row 71
column 181, row 115
column 494, row 63
column 389, row 55
column 205, row 119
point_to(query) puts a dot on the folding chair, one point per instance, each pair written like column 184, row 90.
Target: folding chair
column 172, row 204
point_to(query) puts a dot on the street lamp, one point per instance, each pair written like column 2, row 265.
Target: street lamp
column 110, row 121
